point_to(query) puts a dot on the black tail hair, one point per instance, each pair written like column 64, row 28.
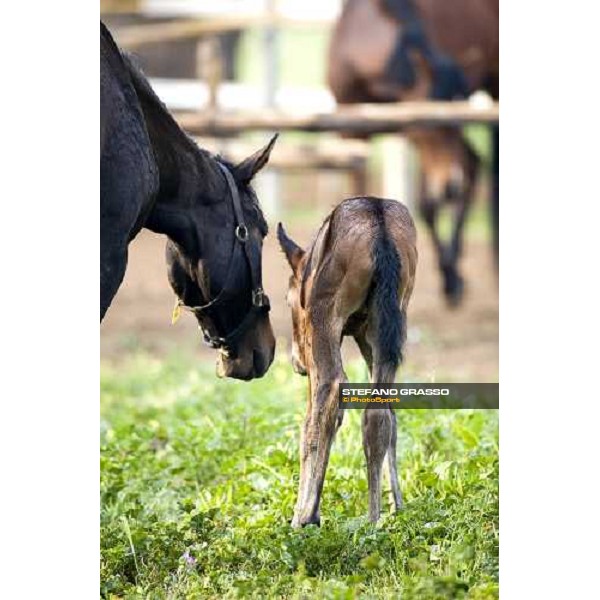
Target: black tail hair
column 390, row 319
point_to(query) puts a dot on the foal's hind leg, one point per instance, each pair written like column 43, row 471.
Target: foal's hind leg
column 379, row 438
column 376, row 430
column 392, row 464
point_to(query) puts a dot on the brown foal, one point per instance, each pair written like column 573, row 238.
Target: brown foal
column 355, row 280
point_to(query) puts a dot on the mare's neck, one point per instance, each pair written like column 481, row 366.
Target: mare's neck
column 188, row 174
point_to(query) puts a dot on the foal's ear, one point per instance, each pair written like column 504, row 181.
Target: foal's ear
column 250, row 166
column 292, row 251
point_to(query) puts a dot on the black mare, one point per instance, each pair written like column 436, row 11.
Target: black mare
column 154, row 176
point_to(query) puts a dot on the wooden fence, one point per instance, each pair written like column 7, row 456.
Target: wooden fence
column 358, row 119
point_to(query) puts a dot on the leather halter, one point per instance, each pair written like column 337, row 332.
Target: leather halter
column 260, row 301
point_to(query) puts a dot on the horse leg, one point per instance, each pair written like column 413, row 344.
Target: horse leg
column 304, row 436
column 392, row 464
column 320, row 425
column 454, row 283
column 367, row 353
column 461, row 198
column 376, row 430
column 429, row 211
column 379, row 427
column 321, row 422
column 495, row 196
column 447, row 255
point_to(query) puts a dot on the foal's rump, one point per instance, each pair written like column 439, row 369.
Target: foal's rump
column 368, row 235
column 372, row 247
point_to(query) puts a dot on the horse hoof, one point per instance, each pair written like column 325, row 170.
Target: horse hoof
column 454, row 291
column 298, row 523
column 316, row 521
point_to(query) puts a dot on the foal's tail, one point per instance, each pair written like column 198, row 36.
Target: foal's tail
column 389, row 318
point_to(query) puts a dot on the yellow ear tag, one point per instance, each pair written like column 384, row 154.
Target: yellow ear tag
column 176, row 312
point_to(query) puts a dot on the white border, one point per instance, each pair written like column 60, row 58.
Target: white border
column 549, row 303
column 49, row 305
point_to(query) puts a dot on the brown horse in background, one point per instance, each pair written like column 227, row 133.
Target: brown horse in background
column 398, row 50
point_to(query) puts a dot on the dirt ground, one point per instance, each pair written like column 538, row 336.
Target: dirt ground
column 443, row 344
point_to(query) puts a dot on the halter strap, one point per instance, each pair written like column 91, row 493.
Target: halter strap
column 260, row 301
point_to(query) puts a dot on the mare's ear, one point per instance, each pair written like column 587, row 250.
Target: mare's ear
column 292, row 251
column 250, row 166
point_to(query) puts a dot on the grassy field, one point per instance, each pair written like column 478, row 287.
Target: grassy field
column 199, row 479
column 199, row 476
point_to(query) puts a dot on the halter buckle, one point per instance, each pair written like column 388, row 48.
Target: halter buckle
column 241, row 233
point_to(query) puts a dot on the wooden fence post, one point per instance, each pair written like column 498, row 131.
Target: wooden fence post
column 270, row 181
column 398, row 170
column 209, row 65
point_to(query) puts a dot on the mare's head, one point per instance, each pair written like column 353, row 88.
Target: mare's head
column 296, row 258
column 214, row 257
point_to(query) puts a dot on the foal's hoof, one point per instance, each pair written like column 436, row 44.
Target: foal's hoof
column 297, row 522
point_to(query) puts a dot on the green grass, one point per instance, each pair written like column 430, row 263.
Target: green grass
column 199, row 479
